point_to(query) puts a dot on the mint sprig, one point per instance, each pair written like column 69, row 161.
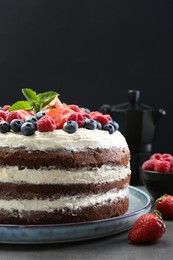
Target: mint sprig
column 34, row 101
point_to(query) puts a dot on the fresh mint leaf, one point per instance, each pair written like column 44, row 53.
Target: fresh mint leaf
column 46, row 97
column 20, row 105
column 34, row 101
column 30, row 95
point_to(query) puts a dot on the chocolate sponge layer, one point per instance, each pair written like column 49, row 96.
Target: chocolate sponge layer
column 64, row 159
column 110, row 210
column 54, row 191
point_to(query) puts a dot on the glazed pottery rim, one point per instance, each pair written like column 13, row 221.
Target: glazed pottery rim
column 158, row 173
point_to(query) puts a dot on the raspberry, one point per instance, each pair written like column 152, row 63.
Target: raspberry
column 46, row 124
column 75, row 108
column 108, row 117
column 156, row 156
column 167, row 157
column 13, row 115
column 1, row 118
column 161, row 166
column 171, row 170
column 86, row 115
column 103, row 119
column 5, row 108
column 77, row 117
column 171, row 163
column 3, row 114
column 148, row 165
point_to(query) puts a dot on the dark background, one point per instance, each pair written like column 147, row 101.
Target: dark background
column 91, row 52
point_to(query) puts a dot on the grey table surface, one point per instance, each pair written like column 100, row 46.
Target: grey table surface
column 113, row 247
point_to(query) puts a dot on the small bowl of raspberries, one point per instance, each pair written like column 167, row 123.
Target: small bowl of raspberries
column 157, row 174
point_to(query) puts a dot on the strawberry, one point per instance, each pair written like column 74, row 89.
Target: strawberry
column 165, row 205
column 59, row 115
column 161, row 166
column 147, row 228
column 148, row 165
column 24, row 113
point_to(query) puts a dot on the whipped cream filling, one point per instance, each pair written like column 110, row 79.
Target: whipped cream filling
column 67, row 202
column 59, row 139
column 60, row 176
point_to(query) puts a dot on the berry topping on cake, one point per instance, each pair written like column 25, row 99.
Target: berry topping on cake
column 6, row 108
column 90, row 124
column 28, row 128
column 109, row 127
column 98, row 116
column 77, row 117
column 99, row 125
column 40, row 114
column 31, row 119
column 4, row 127
column 3, row 114
column 75, row 108
column 87, row 111
column 46, row 112
column 115, row 125
column 70, row 127
column 59, row 115
column 46, row 124
column 16, row 125
column 13, row 115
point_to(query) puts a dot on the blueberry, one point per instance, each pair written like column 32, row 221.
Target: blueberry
column 70, row 127
column 99, row 125
column 31, row 119
column 87, row 111
column 109, row 127
column 115, row 124
column 16, row 125
column 1, row 108
column 40, row 114
column 4, row 127
column 28, row 128
column 90, row 124
column 87, row 120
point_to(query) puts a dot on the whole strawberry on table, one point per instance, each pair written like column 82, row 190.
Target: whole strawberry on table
column 148, row 228
column 164, row 204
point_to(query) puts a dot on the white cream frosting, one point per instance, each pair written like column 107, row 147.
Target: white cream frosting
column 59, row 139
column 60, row 176
column 72, row 203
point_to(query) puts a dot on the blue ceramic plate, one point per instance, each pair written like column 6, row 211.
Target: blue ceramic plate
column 140, row 203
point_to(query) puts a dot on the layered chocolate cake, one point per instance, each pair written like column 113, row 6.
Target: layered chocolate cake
column 61, row 165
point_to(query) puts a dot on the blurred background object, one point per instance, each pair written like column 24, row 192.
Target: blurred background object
column 139, row 123
column 91, row 52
